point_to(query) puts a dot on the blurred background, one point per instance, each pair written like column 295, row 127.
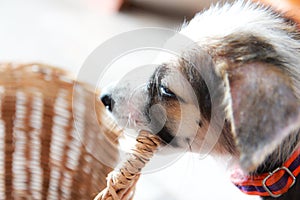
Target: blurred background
column 64, row 32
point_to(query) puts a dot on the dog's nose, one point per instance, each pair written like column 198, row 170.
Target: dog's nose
column 107, row 101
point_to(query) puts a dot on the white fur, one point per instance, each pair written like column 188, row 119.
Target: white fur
column 208, row 27
column 218, row 22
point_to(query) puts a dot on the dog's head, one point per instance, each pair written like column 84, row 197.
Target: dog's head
column 191, row 100
column 237, row 92
column 175, row 103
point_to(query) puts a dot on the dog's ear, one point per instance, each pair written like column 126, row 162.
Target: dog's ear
column 264, row 110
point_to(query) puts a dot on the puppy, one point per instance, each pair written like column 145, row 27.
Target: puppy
column 236, row 92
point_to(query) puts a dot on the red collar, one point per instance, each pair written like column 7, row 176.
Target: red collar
column 272, row 184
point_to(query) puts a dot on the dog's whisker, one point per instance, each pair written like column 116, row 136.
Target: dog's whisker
column 127, row 124
column 189, row 143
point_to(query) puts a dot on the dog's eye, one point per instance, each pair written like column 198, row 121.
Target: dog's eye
column 166, row 92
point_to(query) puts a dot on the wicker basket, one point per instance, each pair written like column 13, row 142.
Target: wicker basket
column 51, row 145
column 121, row 182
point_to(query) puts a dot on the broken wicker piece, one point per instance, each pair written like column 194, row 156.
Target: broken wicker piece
column 54, row 135
column 121, row 183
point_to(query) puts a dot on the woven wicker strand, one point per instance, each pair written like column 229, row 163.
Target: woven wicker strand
column 121, row 183
column 54, row 135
